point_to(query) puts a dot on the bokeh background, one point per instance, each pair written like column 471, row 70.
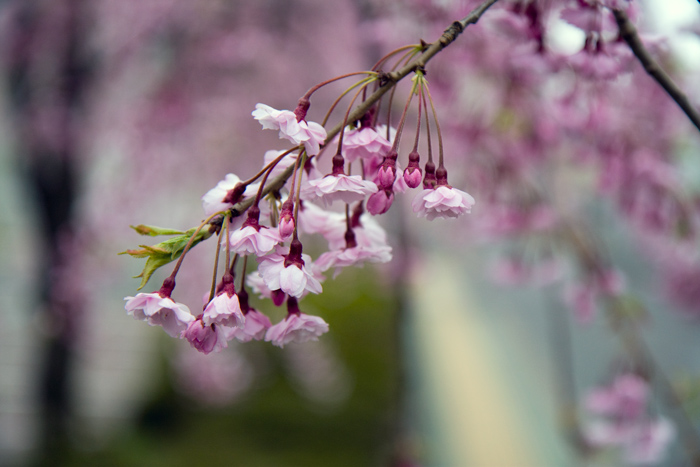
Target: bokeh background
column 122, row 112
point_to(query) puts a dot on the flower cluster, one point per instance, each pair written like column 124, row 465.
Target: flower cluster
column 263, row 217
column 622, row 420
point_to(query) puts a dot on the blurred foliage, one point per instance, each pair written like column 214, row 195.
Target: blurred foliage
column 273, row 425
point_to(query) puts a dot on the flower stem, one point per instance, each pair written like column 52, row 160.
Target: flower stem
column 189, row 245
column 373, row 74
column 216, row 257
column 364, row 84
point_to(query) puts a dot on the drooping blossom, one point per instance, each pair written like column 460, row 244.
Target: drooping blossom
column 159, row 310
column 205, row 338
column 338, row 187
column 225, row 310
column 252, row 238
column 214, row 200
column 625, row 398
column 443, row 201
column 380, row 202
column 296, row 327
column 355, row 256
column 364, row 143
column 311, row 134
column 315, row 220
column 622, row 419
column 248, row 240
column 289, row 272
column 256, row 323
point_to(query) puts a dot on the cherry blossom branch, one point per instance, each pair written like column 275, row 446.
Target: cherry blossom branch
column 635, row 345
column 389, row 80
column 591, row 256
column 629, row 33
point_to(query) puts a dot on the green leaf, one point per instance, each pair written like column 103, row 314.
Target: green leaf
column 164, row 252
column 154, row 231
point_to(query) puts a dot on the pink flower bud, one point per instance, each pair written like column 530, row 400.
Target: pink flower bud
column 286, row 227
column 205, row 338
column 386, row 176
column 412, row 176
column 380, row 202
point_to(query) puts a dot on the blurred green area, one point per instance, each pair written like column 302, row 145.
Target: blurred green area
column 273, row 425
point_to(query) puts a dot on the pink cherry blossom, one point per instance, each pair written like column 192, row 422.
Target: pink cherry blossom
column 205, row 338
column 248, row 240
column 293, row 279
column 225, row 310
column 314, row 219
column 314, row 136
column 626, row 398
column 311, row 134
column 340, row 187
column 623, row 420
column 443, row 201
column 647, row 444
column 255, row 281
column 368, row 232
column 364, row 143
column 213, row 200
column 296, row 327
column 256, row 325
column 380, row 202
column 283, row 120
column 355, row 256
column 161, row 311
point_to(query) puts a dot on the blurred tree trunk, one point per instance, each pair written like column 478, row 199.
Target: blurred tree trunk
column 47, row 79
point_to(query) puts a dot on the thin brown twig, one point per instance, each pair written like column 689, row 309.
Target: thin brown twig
column 629, row 33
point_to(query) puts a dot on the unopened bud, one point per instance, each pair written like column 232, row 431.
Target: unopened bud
column 380, row 202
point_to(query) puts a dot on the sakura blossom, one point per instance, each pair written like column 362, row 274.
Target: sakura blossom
column 364, row 143
column 294, row 278
column 205, row 338
column 345, row 188
column 161, row 311
column 256, row 325
column 443, row 201
column 248, row 240
column 296, row 328
column 380, row 202
column 311, row 134
column 224, row 310
column 214, row 201
column 355, row 256
column 622, row 419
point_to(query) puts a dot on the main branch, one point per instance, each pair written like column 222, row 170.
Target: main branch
column 629, row 33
